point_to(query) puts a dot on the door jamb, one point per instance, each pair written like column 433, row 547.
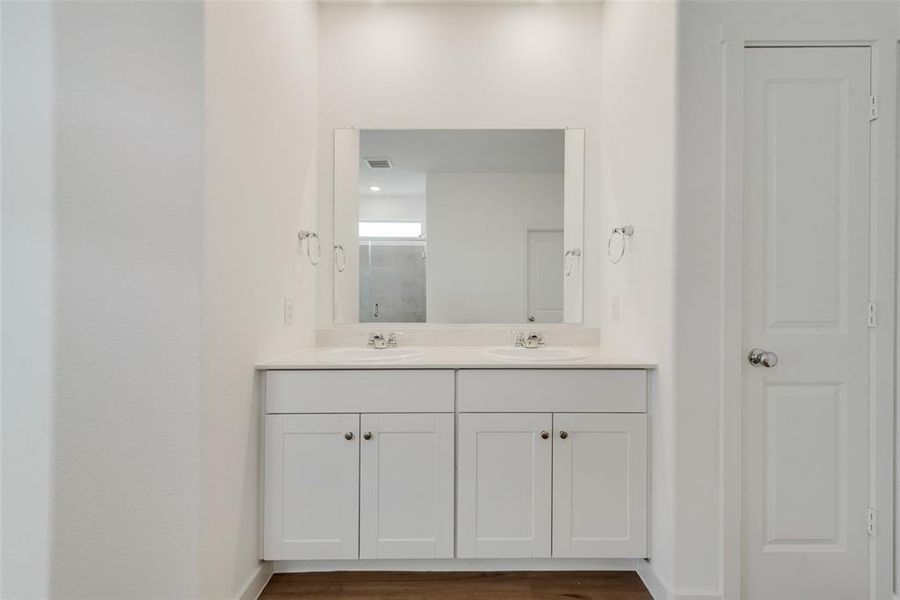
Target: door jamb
column 882, row 283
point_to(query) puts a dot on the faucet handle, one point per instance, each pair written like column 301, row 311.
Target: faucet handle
column 519, row 338
column 392, row 338
column 535, row 339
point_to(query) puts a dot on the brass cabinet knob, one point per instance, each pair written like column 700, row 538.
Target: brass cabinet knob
column 563, row 435
column 348, row 435
column 544, row 435
column 367, row 435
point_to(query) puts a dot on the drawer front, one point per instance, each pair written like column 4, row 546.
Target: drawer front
column 552, row 390
column 398, row 391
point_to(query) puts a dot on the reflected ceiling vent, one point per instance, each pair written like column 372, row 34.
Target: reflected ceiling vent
column 379, row 163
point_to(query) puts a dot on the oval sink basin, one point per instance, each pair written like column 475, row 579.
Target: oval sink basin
column 536, row 354
column 370, row 355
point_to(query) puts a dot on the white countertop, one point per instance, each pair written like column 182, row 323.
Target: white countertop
column 458, row 357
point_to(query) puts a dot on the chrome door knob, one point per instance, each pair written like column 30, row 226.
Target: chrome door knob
column 563, row 434
column 348, row 435
column 367, row 435
column 762, row 358
column 545, row 435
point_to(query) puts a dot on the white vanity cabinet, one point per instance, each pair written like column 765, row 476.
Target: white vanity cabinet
column 406, row 486
column 355, row 483
column 312, row 486
column 465, row 463
column 505, row 478
column 535, row 483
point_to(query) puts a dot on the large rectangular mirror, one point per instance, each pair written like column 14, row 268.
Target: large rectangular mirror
column 458, row 226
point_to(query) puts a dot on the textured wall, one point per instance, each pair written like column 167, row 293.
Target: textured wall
column 127, row 217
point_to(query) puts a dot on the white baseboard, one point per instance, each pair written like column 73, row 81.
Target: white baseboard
column 654, row 584
column 661, row 590
column 257, row 582
column 458, row 564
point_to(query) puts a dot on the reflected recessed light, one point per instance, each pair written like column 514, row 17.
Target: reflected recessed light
column 375, row 188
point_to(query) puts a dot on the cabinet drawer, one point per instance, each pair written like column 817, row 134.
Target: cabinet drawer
column 396, row 391
column 552, row 390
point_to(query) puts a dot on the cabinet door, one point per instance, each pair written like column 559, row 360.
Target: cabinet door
column 311, row 487
column 406, row 486
column 504, row 485
column 600, row 485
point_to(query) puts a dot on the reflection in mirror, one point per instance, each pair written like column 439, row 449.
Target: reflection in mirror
column 460, row 226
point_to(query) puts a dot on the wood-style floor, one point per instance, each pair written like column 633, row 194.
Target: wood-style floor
column 361, row 585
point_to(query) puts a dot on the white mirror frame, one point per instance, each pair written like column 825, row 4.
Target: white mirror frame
column 344, row 285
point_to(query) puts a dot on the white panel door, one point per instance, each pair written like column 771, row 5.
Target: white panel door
column 545, row 276
column 504, row 479
column 311, row 487
column 600, row 486
column 805, row 286
column 406, row 486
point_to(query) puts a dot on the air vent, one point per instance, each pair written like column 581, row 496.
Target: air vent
column 379, row 163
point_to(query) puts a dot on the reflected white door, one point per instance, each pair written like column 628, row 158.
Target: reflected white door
column 545, row 276
column 406, row 486
column 805, row 282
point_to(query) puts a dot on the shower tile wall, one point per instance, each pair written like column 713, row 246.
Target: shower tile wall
column 394, row 278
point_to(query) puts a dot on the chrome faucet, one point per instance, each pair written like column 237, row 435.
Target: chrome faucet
column 534, row 339
column 379, row 342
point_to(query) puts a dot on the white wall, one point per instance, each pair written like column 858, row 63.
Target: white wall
column 127, row 162
column 28, row 322
column 477, row 242
column 388, row 208
column 636, row 182
column 155, row 173
column 408, row 66
column 261, row 77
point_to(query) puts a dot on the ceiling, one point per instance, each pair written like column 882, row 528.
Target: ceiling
column 414, row 153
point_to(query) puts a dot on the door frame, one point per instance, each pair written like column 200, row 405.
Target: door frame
column 882, row 283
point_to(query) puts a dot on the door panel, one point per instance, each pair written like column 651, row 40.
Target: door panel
column 312, row 487
column 545, row 276
column 504, row 485
column 406, row 486
column 805, row 282
column 600, row 486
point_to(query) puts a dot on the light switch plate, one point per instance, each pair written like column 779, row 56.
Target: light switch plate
column 288, row 310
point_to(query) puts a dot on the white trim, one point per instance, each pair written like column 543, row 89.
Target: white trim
column 655, row 584
column 731, row 315
column 883, row 287
column 573, row 223
column 882, row 279
column 661, row 590
column 257, row 582
column 460, row 564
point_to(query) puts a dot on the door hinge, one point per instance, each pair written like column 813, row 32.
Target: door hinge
column 872, row 316
column 873, row 107
column 871, row 522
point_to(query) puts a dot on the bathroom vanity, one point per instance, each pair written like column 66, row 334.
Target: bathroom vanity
column 454, row 453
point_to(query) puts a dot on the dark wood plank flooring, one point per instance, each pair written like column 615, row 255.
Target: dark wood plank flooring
column 491, row 585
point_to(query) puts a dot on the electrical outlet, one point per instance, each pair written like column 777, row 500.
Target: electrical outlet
column 288, row 310
column 614, row 308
